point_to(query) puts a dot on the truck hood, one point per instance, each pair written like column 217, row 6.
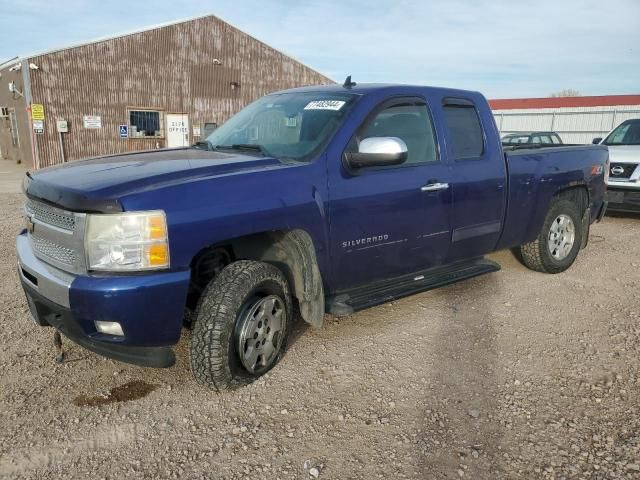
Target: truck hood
column 97, row 184
column 624, row 153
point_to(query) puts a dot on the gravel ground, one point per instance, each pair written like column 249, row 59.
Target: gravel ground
column 514, row 374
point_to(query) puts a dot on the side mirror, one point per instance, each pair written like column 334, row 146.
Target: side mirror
column 378, row 152
column 596, row 140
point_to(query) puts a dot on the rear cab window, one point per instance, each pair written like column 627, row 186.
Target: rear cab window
column 465, row 131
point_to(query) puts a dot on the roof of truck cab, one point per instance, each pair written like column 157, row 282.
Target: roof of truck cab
column 365, row 88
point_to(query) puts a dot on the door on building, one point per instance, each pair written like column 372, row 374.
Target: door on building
column 177, row 130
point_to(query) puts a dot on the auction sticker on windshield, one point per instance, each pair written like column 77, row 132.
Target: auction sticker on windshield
column 325, row 105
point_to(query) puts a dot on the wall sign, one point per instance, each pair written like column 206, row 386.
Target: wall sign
column 178, row 126
column 124, row 131
column 196, row 131
column 37, row 111
column 62, row 126
column 38, row 127
column 92, row 121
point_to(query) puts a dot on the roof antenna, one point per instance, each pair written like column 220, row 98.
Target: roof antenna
column 348, row 83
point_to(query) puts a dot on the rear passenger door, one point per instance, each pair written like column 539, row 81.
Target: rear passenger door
column 479, row 177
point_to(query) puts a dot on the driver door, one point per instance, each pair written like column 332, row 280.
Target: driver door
column 388, row 221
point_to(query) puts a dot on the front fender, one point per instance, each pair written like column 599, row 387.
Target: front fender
column 293, row 252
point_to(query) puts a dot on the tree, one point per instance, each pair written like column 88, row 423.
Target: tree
column 567, row 92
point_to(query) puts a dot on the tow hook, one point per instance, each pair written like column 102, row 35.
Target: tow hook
column 57, row 342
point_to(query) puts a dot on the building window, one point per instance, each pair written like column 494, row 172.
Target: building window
column 146, row 123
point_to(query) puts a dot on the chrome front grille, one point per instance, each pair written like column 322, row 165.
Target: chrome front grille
column 57, row 236
column 53, row 251
column 51, row 215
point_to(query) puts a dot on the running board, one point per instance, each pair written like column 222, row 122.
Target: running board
column 349, row 301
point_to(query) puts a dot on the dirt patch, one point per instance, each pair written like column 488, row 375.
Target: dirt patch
column 512, row 375
column 124, row 393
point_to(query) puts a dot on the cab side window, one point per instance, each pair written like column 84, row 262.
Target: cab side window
column 465, row 131
column 409, row 122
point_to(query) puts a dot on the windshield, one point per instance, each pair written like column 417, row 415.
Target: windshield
column 627, row 133
column 291, row 126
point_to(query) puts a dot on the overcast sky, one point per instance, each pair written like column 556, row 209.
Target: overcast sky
column 504, row 48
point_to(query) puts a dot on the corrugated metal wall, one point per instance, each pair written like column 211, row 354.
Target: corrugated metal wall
column 171, row 69
column 574, row 124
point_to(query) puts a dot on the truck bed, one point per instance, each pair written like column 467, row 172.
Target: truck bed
column 535, row 175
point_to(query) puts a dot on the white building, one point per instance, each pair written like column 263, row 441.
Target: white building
column 575, row 119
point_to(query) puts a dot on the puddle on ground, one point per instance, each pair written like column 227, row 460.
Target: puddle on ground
column 123, row 393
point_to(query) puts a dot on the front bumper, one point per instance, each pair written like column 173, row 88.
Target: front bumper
column 149, row 308
column 623, row 199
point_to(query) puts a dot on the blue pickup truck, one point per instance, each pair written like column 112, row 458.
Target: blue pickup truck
column 332, row 198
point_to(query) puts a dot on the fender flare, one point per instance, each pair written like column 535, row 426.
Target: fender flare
column 293, row 252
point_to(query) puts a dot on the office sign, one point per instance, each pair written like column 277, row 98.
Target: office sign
column 92, row 121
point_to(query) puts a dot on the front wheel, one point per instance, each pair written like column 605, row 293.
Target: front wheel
column 558, row 244
column 241, row 325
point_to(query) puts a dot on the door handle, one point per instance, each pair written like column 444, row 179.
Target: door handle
column 434, row 187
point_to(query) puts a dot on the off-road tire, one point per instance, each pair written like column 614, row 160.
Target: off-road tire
column 537, row 256
column 214, row 359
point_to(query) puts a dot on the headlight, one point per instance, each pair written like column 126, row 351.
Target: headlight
column 128, row 241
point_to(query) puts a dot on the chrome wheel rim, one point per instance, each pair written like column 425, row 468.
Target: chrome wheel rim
column 562, row 235
column 260, row 333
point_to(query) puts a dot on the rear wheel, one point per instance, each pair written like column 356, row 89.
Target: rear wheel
column 241, row 325
column 559, row 242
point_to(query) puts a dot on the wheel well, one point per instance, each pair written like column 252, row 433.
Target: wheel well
column 292, row 251
column 205, row 266
column 577, row 194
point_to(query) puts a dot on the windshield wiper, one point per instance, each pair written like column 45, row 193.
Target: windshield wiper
column 204, row 145
column 251, row 147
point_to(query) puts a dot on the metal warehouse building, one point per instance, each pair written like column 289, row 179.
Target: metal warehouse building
column 163, row 86
column 576, row 119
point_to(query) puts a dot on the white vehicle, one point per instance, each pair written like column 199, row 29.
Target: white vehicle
column 623, row 186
